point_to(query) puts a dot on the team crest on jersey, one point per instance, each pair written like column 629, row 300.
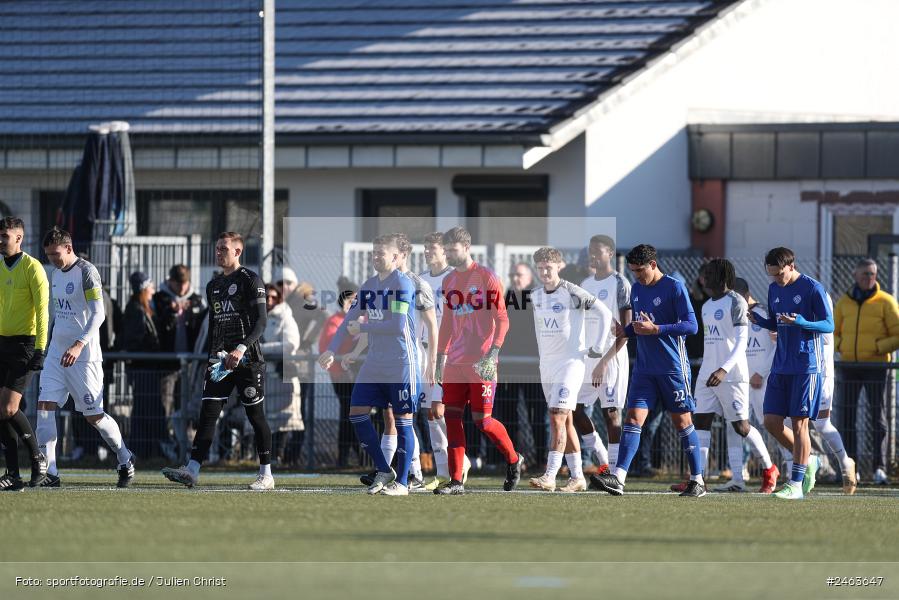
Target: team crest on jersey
column 473, row 289
column 232, row 289
column 719, row 314
column 656, row 301
column 563, row 392
column 603, row 294
column 610, row 392
column 88, row 399
column 250, row 392
column 756, row 327
column 557, row 308
column 737, row 405
column 70, row 287
column 797, row 299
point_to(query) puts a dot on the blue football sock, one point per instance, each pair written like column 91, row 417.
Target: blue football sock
column 368, row 439
column 628, row 446
column 798, row 474
column 405, row 447
column 689, row 441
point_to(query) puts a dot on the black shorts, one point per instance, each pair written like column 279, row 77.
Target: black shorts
column 15, row 354
column 248, row 379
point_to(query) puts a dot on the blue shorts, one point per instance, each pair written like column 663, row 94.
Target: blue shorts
column 399, row 396
column 672, row 390
column 793, row 395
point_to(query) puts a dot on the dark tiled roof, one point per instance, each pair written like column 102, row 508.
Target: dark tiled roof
column 467, row 68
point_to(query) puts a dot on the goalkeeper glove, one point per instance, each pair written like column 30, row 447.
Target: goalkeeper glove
column 486, row 367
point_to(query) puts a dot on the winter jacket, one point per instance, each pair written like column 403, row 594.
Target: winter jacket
column 282, row 402
column 168, row 314
column 866, row 329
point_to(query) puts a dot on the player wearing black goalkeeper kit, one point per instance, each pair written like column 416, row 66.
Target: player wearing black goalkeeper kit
column 236, row 321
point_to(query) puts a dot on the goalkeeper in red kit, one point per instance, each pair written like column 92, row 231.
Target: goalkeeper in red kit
column 471, row 333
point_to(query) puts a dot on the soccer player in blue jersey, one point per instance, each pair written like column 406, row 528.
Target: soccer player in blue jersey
column 662, row 318
column 801, row 315
column 389, row 375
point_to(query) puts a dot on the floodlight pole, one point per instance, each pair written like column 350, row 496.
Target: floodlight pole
column 267, row 154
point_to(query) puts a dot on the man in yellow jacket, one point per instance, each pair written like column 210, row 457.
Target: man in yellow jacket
column 866, row 330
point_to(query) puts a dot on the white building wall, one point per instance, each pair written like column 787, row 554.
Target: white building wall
column 764, row 214
column 767, row 61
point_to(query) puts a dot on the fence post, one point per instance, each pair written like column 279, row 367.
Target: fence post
column 891, row 406
column 180, row 423
column 310, row 425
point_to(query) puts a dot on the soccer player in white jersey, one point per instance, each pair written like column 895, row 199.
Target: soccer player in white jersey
column 610, row 384
column 74, row 359
column 722, row 386
column 559, row 310
column 437, row 271
column 759, row 355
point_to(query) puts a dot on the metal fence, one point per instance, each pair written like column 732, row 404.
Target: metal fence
column 156, row 397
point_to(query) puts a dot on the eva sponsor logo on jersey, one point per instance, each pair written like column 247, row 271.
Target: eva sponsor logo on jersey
column 63, row 305
column 221, row 307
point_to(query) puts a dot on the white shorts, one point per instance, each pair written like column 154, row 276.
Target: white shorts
column 757, row 401
column 83, row 380
column 433, row 393
column 826, row 394
column 613, row 392
column 729, row 399
column 561, row 383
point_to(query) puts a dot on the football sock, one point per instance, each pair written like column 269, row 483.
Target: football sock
column 22, row 427
column 405, row 434
column 735, row 454
column 415, row 468
column 368, row 439
column 112, row 435
column 756, row 445
column 265, row 470
column 705, row 440
column 46, row 437
column 613, row 453
column 593, row 445
column 834, row 440
column 495, row 430
column 630, row 443
column 553, row 464
column 798, row 474
column 262, row 433
column 690, row 443
column 575, row 467
column 437, row 429
column 10, row 442
column 456, row 446
column 388, row 447
column 209, row 414
column 194, row 467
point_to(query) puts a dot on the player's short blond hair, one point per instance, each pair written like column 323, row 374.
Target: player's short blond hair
column 548, row 255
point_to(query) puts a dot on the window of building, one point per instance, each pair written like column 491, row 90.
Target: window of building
column 511, row 209
column 412, row 211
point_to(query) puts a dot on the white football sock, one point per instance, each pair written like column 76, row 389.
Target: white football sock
column 553, row 464
column 415, row 468
column 112, row 435
column 265, row 470
column 194, row 467
column 833, row 439
column 388, row 447
column 735, row 454
column 46, row 438
column 439, row 443
column 613, row 453
column 575, row 467
column 594, row 447
column 757, row 446
column 705, row 440
column 620, row 473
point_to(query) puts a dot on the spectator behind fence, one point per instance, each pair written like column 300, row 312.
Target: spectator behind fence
column 140, row 335
column 180, row 312
column 310, row 318
column 342, row 373
column 520, row 403
column 866, row 330
column 282, row 338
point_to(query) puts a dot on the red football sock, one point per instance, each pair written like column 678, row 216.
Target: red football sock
column 455, row 435
column 495, row 430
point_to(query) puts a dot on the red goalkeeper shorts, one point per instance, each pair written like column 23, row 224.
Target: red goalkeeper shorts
column 461, row 386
